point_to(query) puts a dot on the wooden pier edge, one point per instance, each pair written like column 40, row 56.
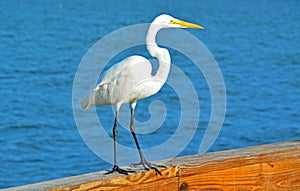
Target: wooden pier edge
column 265, row 167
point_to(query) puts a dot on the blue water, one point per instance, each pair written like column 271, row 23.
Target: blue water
column 256, row 44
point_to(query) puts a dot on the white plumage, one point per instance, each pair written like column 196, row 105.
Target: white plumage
column 131, row 80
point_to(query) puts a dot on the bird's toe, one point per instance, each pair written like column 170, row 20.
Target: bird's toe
column 119, row 170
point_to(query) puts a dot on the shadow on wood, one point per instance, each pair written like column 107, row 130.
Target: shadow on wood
column 266, row 167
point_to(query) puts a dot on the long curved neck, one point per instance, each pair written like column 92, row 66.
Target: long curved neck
column 161, row 54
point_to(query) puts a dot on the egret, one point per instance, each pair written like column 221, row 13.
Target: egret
column 131, row 80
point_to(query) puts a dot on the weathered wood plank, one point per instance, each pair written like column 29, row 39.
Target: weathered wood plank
column 278, row 175
column 266, row 167
column 166, row 184
column 148, row 179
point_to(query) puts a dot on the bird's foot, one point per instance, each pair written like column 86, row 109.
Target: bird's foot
column 116, row 168
column 148, row 166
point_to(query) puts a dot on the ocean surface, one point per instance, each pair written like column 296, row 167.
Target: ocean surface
column 255, row 43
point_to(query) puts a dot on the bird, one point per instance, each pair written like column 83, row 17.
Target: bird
column 131, row 80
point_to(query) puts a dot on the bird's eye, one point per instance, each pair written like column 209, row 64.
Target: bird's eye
column 173, row 22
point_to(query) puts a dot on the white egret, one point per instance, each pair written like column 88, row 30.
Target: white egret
column 131, row 80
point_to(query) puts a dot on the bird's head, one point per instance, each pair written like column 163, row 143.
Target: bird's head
column 170, row 22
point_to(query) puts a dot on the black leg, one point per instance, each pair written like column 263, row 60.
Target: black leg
column 143, row 162
column 116, row 168
column 115, row 134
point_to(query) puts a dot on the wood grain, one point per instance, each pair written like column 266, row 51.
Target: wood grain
column 272, row 170
column 148, row 180
column 266, row 167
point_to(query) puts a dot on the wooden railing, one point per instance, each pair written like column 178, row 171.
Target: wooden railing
column 265, row 167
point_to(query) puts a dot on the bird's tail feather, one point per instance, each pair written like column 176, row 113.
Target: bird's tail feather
column 88, row 101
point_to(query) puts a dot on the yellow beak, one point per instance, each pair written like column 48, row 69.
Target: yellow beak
column 185, row 24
